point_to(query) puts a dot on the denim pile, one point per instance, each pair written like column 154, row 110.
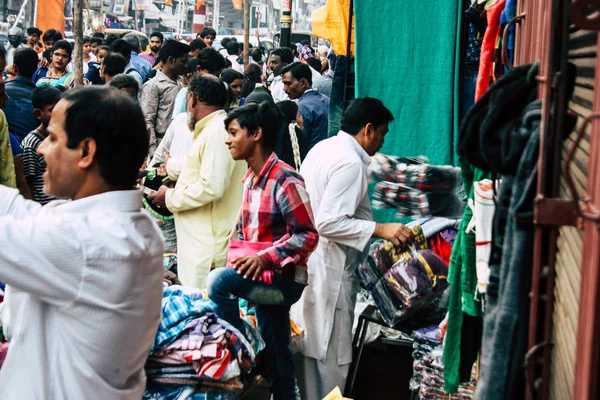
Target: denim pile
column 196, row 355
column 416, row 189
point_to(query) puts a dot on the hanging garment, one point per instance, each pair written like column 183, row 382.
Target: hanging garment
column 484, row 215
column 487, row 47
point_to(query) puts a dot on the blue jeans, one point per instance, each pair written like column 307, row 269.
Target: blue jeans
column 272, row 306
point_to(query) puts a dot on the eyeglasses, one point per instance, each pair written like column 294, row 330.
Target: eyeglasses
column 63, row 56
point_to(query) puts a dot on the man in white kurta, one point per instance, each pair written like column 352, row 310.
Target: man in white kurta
column 335, row 172
column 208, row 193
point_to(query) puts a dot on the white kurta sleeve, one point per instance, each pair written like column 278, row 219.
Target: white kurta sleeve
column 12, row 203
column 335, row 218
column 42, row 256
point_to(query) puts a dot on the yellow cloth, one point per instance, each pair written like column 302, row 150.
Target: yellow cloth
column 205, row 201
column 7, row 163
column 331, row 22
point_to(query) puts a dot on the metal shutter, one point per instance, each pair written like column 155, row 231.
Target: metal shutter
column 582, row 52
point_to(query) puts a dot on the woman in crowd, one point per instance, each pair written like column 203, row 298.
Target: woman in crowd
column 270, row 244
column 292, row 144
column 234, row 80
column 57, row 74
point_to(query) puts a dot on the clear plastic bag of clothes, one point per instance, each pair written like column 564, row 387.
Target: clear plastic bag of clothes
column 416, row 203
column 386, row 168
column 433, row 178
column 383, row 254
column 410, row 285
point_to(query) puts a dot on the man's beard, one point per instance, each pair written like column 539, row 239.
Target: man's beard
column 191, row 121
column 155, row 49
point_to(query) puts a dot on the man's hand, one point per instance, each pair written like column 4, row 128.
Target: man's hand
column 159, row 198
column 44, row 63
column 250, row 266
column 162, row 170
column 170, row 278
column 395, row 233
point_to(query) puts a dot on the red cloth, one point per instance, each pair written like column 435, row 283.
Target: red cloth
column 488, row 46
column 441, row 248
column 3, row 352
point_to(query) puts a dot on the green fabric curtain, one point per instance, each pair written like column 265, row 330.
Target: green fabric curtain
column 407, row 56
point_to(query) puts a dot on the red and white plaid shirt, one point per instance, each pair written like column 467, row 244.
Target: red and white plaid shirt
column 277, row 209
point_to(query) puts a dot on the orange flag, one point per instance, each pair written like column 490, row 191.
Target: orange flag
column 50, row 14
column 199, row 3
column 237, row 4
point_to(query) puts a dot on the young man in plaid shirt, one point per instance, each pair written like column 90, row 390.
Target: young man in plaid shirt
column 276, row 218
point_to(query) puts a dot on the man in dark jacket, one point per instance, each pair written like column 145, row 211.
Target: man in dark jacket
column 314, row 107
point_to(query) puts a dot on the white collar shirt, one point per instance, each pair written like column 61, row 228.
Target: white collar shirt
column 277, row 90
column 84, row 298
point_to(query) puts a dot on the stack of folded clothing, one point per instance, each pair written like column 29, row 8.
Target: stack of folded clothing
column 193, row 348
column 428, row 369
column 418, row 190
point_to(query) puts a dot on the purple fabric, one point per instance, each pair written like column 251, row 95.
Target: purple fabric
column 449, row 235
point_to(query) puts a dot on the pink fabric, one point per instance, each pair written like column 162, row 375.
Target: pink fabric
column 488, row 47
column 3, row 352
column 241, row 248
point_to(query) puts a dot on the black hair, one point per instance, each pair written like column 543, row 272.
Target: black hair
column 226, row 41
column 86, row 40
column 285, row 53
column 363, row 111
column 173, row 49
column 158, row 35
column 44, row 96
column 26, row 61
column 315, row 63
column 252, row 116
column 53, row 35
column 2, row 53
column 33, row 31
column 110, row 38
column 211, row 60
column 305, row 42
column 299, row 71
column 47, row 54
column 233, row 48
column 197, row 44
column 104, row 47
column 228, row 63
column 208, row 31
column 122, row 81
column 99, row 35
column 192, row 65
column 116, row 123
column 229, row 75
column 253, row 73
column 144, row 42
column 114, row 64
column 209, row 90
column 97, row 40
column 230, row 97
column 289, row 109
column 257, row 54
column 121, row 46
column 64, row 45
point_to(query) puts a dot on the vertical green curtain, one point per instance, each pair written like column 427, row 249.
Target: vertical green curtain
column 407, row 55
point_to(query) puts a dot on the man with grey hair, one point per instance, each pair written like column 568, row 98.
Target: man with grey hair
column 138, row 62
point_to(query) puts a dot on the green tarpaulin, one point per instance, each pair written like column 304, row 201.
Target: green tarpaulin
column 406, row 56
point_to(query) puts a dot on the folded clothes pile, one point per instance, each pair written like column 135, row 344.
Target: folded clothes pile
column 195, row 348
column 428, row 369
column 418, row 190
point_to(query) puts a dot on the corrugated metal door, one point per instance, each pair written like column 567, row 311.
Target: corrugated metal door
column 582, row 52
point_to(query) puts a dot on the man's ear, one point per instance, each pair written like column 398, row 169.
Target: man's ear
column 87, row 148
column 37, row 113
column 258, row 134
column 369, row 129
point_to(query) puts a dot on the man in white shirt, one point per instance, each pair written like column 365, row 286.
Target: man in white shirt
column 208, row 193
column 335, row 172
column 279, row 58
column 233, row 53
column 15, row 41
column 85, row 276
